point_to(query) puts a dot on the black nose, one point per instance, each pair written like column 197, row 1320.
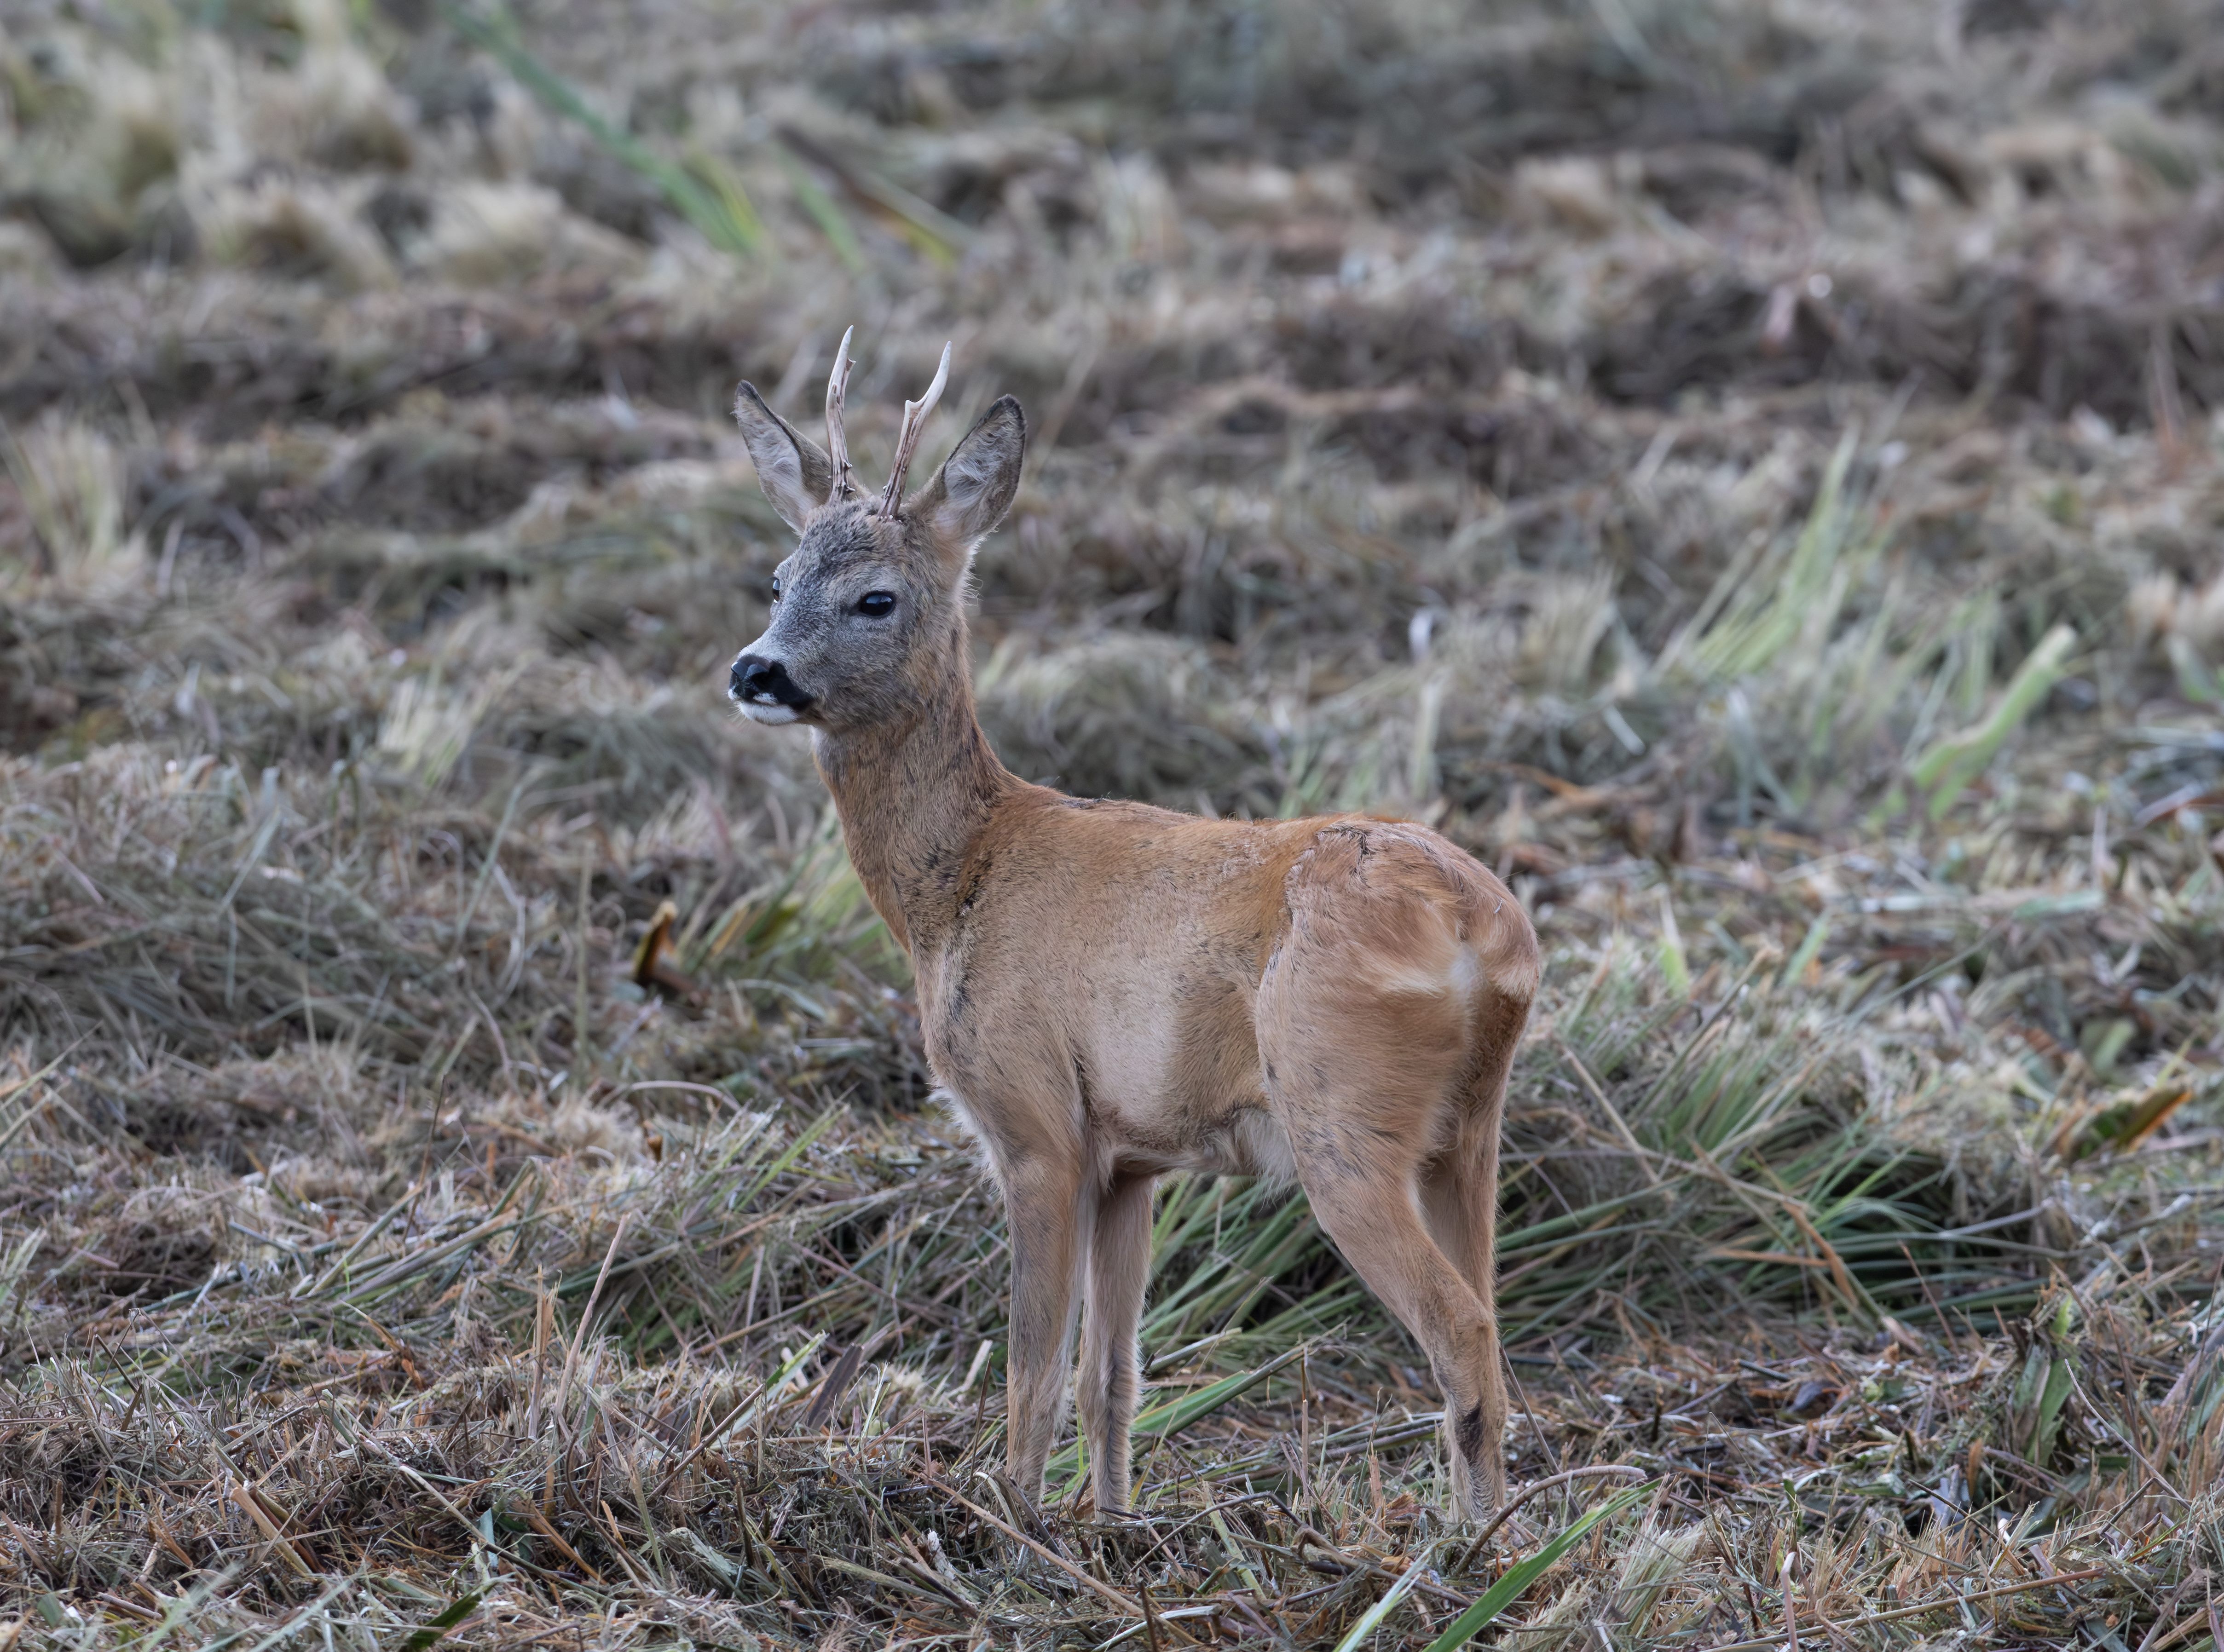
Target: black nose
column 754, row 678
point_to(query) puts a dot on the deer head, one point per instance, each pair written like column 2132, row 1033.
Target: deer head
column 868, row 614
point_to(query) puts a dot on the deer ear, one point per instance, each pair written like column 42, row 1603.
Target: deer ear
column 977, row 482
column 794, row 475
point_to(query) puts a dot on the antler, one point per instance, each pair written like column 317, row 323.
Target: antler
column 838, row 443
column 914, row 422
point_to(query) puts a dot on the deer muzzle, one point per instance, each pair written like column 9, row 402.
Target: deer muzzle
column 765, row 691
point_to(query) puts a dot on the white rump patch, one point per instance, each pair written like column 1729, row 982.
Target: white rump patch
column 1457, row 978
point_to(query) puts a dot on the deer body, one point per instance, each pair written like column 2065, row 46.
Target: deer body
column 1111, row 991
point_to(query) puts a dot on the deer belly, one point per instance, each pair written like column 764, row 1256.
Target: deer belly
column 1245, row 1141
column 1207, row 1113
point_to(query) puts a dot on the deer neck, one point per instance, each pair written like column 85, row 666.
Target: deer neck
column 913, row 793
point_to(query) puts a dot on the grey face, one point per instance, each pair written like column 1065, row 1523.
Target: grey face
column 850, row 606
column 866, row 609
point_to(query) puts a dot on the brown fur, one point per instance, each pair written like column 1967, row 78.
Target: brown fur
column 1111, row 991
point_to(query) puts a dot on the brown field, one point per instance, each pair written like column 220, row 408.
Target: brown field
column 1752, row 470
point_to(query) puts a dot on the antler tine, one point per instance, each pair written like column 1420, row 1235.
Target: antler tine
column 915, row 423
column 838, row 442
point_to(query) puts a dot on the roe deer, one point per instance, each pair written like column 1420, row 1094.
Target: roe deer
column 1111, row 991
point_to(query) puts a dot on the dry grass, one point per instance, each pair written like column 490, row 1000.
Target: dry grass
column 1750, row 472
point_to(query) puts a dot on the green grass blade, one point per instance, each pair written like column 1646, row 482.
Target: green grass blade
column 455, row 1611
column 1515, row 1584
column 1173, row 1415
column 824, row 211
column 1169, row 1417
column 1371, row 1619
column 1948, row 767
column 495, row 33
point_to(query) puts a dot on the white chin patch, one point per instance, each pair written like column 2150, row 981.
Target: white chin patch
column 771, row 713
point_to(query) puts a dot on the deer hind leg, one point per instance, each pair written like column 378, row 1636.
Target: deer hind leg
column 1049, row 1213
column 1371, row 1216
column 1378, row 1048
column 1459, row 1203
column 1362, row 1119
column 1119, row 1273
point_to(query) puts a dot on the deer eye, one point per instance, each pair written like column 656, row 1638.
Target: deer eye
column 776, row 588
column 876, row 603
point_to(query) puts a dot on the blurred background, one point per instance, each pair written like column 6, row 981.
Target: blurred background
column 1747, row 470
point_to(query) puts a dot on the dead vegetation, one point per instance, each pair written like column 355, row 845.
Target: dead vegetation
column 1750, row 471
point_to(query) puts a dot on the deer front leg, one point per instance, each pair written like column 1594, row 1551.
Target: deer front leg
column 1045, row 1207
column 1119, row 1273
